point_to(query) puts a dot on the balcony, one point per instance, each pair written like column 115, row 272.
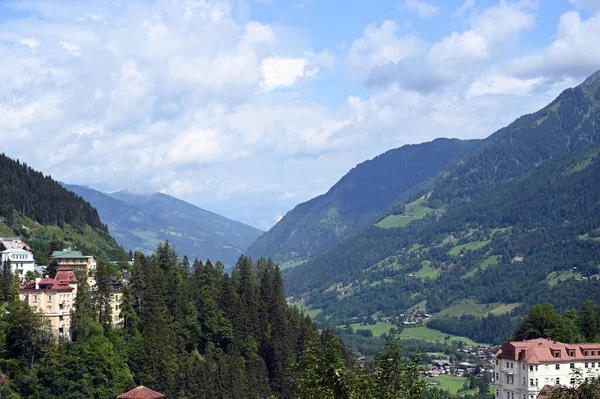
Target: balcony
column 508, row 370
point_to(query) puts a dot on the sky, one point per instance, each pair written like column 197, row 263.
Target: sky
column 247, row 108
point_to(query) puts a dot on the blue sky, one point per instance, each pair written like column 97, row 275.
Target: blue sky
column 247, row 108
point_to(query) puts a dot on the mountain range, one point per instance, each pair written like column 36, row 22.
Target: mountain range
column 509, row 222
column 141, row 221
column 357, row 199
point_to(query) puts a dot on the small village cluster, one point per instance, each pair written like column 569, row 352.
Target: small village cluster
column 55, row 297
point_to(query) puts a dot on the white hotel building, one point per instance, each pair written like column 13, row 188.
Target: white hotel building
column 523, row 368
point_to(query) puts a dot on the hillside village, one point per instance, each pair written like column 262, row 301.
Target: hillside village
column 54, row 296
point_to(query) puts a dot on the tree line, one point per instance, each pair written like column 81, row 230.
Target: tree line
column 190, row 331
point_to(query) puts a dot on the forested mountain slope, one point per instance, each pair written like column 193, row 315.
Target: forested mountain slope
column 356, row 199
column 36, row 207
column 140, row 222
column 503, row 228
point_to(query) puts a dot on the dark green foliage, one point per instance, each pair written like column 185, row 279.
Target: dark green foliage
column 42, row 199
column 543, row 321
column 192, row 334
column 356, row 200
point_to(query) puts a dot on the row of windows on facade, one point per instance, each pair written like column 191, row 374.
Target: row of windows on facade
column 510, row 365
column 61, row 297
column 49, row 309
column 534, row 382
column 511, row 395
column 18, row 256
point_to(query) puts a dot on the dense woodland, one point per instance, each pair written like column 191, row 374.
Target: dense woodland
column 191, row 331
column 42, row 199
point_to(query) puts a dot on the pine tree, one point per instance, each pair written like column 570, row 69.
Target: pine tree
column 101, row 295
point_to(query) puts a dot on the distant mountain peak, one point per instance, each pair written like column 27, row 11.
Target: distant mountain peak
column 594, row 78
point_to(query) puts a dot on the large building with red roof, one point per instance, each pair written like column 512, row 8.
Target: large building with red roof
column 523, row 368
column 54, row 298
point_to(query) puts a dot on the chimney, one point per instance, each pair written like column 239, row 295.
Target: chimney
column 37, row 283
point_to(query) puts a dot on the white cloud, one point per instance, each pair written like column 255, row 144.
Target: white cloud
column 381, row 45
column 467, row 5
column 197, row 101
column 505, row 21
column 571, row 54
column 499, row 84
column 284, row 72
column 30, row 42
column 71, row 48
column 422, row 8
column 585, row 4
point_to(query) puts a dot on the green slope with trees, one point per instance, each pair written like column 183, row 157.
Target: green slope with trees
column 506, row 223
column 36, row 207
column 356, row 200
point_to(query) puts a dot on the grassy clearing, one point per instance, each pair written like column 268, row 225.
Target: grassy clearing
column 470, row 246
column 554, row 277
column 378, row 328
column 292, row 263
column 448, row 383
column 586, row 236
column 307, row 310
column 428, row 271
column 414, row 208
column 472, row 307
column 431, row 335
column 492, row 260
column 416, row 308
column 504, row 308
column 465, row 306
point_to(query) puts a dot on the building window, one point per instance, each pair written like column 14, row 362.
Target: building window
column 546, row 380
column 546, row 367
column 49, row 298
column 524, row 381
column 572, row 382
column 585, row 353
column 497, row 393
column 496, row 362
column 497, row 379
column 593, row 353
column 557, row 366
column 586, row 365
column 530, row 368
column 593, row 364
column 507, row 395
column 531, row 382
column 35, row 298
column 557, row 381
column 572, row 353
column 523, row 366
column 536, row 368
column 572, row 365
column 557, row 354
column 536, row 382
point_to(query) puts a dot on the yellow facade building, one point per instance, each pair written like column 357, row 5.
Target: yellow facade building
column 74, row 260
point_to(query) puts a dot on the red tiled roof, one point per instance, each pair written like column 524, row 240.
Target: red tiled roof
column 536, row 351
column 141, row 392
column 47, row 284
column 546, row 391
column 66, row 276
